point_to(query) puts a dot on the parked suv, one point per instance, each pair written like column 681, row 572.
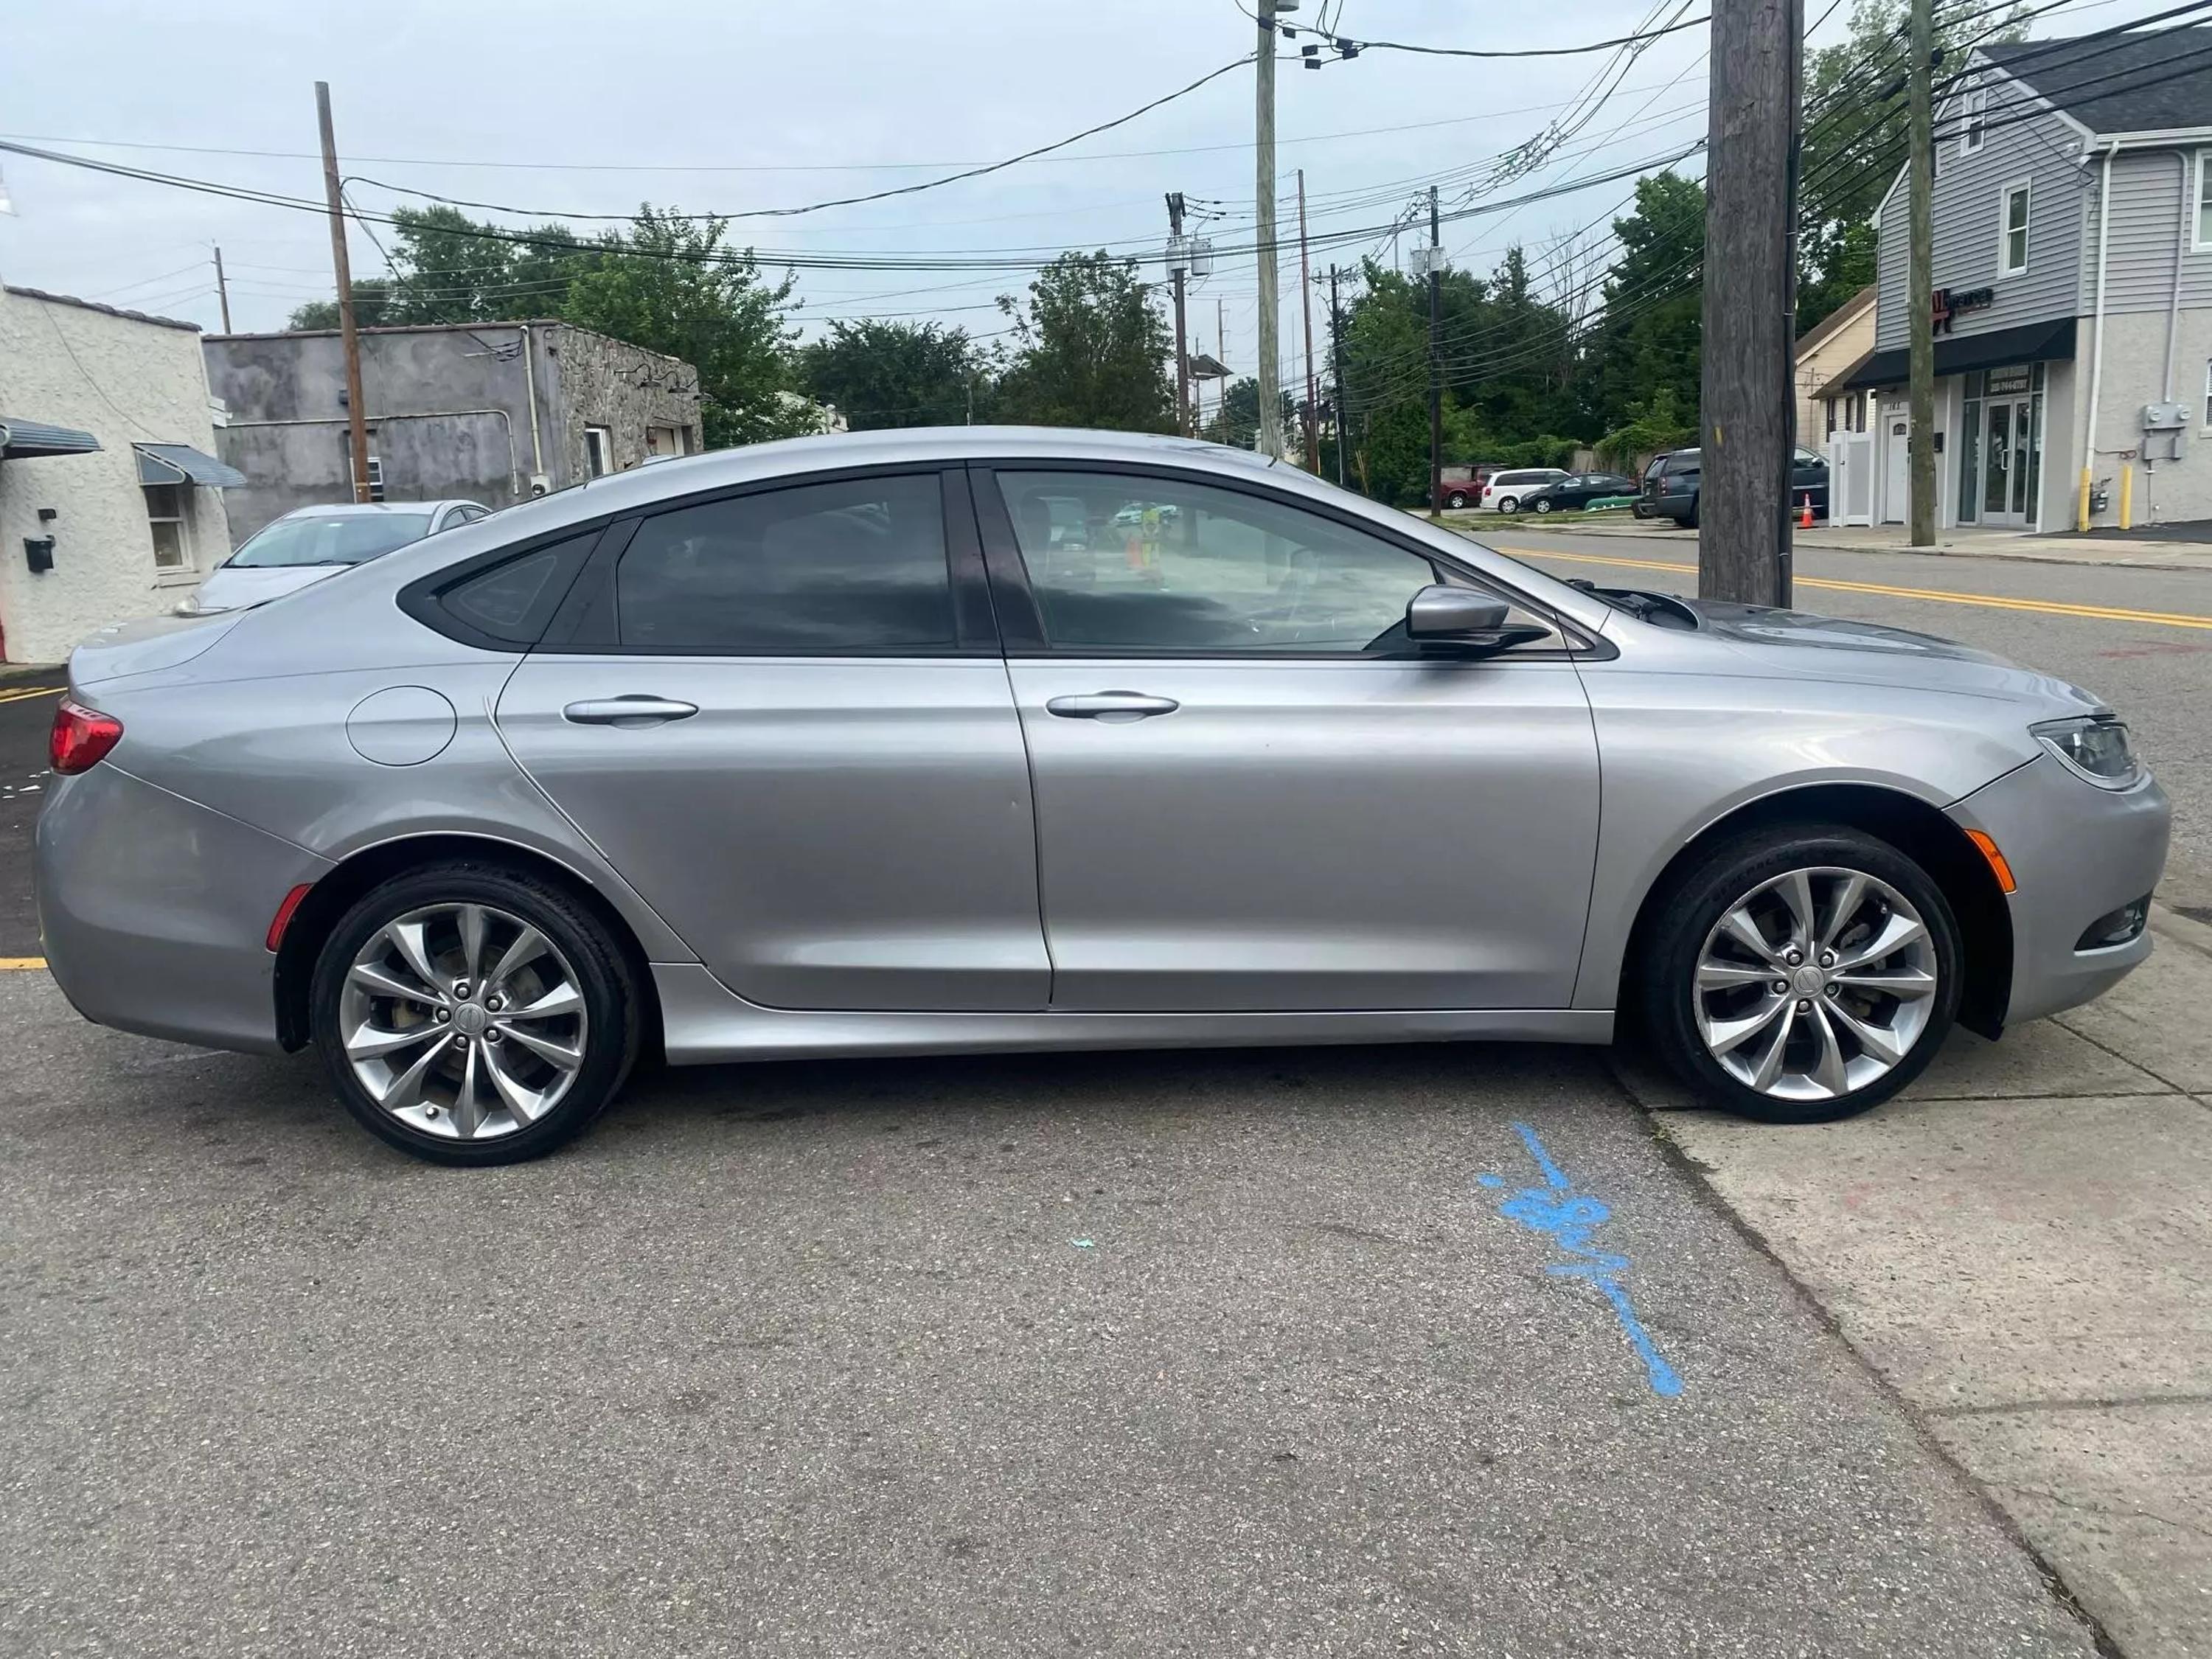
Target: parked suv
column 1503, row 491
column 1671, row 483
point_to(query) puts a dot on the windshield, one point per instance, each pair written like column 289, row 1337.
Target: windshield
column 347, row 540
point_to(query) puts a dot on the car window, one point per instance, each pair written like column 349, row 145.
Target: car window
column 1169, row 565
column 330, row 538
column 857, row 565
column 514, row 601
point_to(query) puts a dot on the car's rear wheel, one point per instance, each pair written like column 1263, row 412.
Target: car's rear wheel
column 470, row 1014
column 1543, row 504
column 1801, row 974
column 1509, row 504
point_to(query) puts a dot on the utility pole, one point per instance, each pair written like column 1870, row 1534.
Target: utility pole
column 1919, row 282
column 1336, row 372
column 222, row 289
column 1305, row 294
column 1436, row 358
column 1221, row 351
column 356, row 418
column 1746, row 419
column 1179, row 262
column 1271, row 379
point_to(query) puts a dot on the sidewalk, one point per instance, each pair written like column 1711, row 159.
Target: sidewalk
column 1877, row 538
column 2019, row 1246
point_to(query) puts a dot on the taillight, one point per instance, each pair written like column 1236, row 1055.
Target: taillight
column 81, row 738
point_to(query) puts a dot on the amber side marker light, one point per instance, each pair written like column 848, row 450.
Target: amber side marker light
column 1998, row 868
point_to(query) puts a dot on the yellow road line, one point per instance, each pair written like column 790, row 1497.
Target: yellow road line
column 1993, row 601
column 17, row 963
column 22, row 692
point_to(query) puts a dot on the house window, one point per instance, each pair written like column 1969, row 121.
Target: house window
column 1830, row 403
column 1977, row 113
column 165, row 518
column 599, row 451
column 2204, row 239
column 2208, row 396
column 2012, row 257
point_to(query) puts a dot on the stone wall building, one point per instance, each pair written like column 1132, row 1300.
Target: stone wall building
column 489, row 412
column 111, row 496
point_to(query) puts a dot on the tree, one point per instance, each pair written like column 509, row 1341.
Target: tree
column 1089, row 349
column 1649, row 338
column 1236, row 422
column 669, row 285
column 887, row 373
column 372, row 301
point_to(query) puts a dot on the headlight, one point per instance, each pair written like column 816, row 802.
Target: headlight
column 2095, row 748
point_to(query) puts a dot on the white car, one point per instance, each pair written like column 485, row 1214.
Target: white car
column 310, row 542
column 1502, row 491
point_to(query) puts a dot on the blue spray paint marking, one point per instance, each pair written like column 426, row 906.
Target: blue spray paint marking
column 1570, row 1218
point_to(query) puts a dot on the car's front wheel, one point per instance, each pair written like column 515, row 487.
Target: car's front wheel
column 1801, row 974
column 1543, row 504
column 472, row 1014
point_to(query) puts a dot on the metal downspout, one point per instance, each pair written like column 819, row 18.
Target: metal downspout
column 2096, row 340
column 530, row 386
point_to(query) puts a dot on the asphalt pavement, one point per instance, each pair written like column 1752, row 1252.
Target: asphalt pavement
column 1192, row 1353
column 26, row 712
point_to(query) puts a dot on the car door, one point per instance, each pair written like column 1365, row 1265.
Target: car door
column 1252, row 792
column 780, row 713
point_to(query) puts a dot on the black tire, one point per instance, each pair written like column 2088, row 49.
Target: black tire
column 1509, row 503
column 603, row 976
column 1457, row 498
column 1665, row 994
column 1689, row 521
column 1543, row 504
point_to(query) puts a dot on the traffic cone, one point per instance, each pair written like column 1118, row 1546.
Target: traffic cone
column 1805, row 511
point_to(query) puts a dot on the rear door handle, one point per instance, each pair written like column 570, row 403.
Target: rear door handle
column 1110, row 706
column 634, row 710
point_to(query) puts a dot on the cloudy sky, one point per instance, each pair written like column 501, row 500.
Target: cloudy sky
column 562, row 108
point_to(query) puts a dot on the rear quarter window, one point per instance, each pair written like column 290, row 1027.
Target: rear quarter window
column 504, row 603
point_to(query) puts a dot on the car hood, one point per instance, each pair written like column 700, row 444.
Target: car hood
column 1799, row 643
column 233, row 587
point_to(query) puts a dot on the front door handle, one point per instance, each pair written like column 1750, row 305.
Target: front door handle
column 1111, row 706
column 632, row 711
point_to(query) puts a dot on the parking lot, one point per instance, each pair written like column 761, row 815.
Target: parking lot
column 1465, row 1350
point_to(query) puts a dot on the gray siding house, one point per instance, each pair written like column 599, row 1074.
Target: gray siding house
column 489, row 412
column 2073, row 295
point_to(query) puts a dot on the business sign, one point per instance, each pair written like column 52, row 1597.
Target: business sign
column 1949, row 303
column 2008, row 382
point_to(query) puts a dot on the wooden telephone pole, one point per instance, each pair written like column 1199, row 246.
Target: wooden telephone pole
column 1919, row 286
column 222, row 289
column 1436, row 358
column 1263, row 133
column 1747, row 416
column 1179, row 262
column 356, row 417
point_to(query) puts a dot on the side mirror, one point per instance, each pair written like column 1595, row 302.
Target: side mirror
column 1465, row 621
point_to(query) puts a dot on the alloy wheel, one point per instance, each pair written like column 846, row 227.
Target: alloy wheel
column 1815, row 983
column 462, row 1021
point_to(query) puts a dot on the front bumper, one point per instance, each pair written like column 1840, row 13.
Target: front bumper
column 2077, row 853
column 155, row 911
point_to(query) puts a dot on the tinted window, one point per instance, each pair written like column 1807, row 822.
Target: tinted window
column 853, row 566
column 1140, row 563
column 514, row 601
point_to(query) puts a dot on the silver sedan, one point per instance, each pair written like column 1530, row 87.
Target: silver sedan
column 925, row 742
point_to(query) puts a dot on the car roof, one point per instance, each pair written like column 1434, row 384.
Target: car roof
column 370, row 509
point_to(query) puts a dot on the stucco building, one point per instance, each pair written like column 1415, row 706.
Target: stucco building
column 490, row 412
column 2073, row 293
column 111, row 494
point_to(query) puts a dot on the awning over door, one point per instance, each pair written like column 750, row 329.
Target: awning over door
column 19, row 440
column 2029, row 342
column 170, row 464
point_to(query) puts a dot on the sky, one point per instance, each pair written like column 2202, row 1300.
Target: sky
column 561, row 108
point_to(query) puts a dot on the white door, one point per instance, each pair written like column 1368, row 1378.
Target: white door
column 1896, row 449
